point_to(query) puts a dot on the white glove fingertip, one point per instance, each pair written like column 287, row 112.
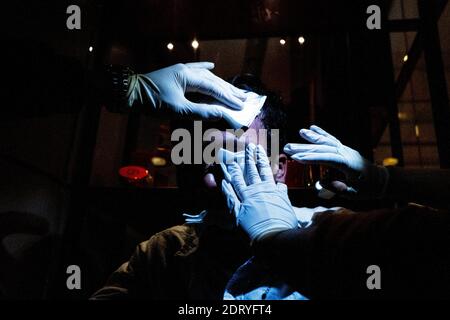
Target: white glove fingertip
column 233, row 202
column 288, row 148
column 282, row 187
column 237, row 178
column 233, row 102
column 263, row 165
column 322, row 132
column 226, row 175
column 200, row 65
column 297, row 157
column 206, row 112
column 239, row 93
column 251, row 172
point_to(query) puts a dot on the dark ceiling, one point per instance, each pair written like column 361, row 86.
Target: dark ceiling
column 179, row 19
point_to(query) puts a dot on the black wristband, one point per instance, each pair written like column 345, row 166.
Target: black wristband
column 119, row 82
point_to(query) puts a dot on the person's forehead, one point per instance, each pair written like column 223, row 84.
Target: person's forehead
column 257, row 124
column 254, row 127
column 251, row 135
column 222, row 126
column 235, row 139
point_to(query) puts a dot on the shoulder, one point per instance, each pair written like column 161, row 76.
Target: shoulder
column 175, row 241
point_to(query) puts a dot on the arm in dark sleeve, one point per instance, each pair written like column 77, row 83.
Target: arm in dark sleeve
column 151, row 272
column 125, row 281
column 330, row 258
column 132, row 278
column 427, row 186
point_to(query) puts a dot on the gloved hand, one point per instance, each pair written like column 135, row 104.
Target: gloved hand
column 362, row 177
column 261, row 206
column 166, row 88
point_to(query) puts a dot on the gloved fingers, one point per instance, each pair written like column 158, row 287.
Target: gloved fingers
column 329, row 159
column 233, row 202
column 202, row 111
column 225, row 91
column 226, row 174
column 315, row 138
column 225, row 85
column 204, row 81
column 293, row 148
column 228, row 191
column 213, row 87
column 239, row 93
column 263, row 165
column 251, row 173
column 237, row 179
column 282, row 187
column 200, row 65
column 323, row 132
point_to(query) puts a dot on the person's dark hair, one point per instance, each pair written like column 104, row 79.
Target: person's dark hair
column 272, row 114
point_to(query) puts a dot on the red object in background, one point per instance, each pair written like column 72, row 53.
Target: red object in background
column 158, row 164
column 136, row 176
column 133, row 173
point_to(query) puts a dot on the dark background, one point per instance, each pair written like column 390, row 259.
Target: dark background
column 61, row 199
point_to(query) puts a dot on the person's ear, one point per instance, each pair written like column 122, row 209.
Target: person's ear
column 280, row 175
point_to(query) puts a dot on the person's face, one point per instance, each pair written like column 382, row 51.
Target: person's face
column 213, row 172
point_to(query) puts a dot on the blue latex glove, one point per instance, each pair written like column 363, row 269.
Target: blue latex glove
column 261, row 206
column 362, row 177
column 226, row 157
column 166, row 88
